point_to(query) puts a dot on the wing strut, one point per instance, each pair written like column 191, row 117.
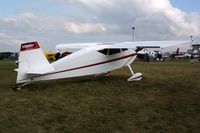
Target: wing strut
column 18, row 88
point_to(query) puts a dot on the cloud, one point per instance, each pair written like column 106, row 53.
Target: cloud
column 105, row 20
column 9, row 43
column 153, row 19
column 28, row 26
column 80, row 28
column 9, row 40
column 95, row 4
column 14, row 29
column 46, row 29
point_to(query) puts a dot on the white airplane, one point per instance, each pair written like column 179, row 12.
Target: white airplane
column 91, row 59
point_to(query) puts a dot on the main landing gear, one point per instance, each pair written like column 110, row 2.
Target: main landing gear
column 135, row 76
column 18, row 88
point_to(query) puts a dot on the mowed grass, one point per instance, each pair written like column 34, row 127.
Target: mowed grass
column 166, row 100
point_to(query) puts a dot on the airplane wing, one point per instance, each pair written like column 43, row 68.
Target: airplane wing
column 129, row 45
column 148, row 44
column 78, row 45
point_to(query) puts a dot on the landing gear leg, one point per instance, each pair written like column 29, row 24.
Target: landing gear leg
column 18, row 88
column 135, row 76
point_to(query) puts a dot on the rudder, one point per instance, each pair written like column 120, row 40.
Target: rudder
column 31, row 61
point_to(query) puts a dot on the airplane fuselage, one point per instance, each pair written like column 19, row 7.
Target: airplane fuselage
column 88, row 61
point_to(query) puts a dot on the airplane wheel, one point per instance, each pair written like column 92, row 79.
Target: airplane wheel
column 135, row 77
column 16, row 88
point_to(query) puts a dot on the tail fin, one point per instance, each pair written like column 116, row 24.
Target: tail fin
column 32, row 61
column 177, row 51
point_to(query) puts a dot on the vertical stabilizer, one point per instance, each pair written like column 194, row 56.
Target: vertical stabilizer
column 31, row 61
column 177, row 51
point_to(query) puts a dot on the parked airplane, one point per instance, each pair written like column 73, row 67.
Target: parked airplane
column 180, row 55
column 91, row 59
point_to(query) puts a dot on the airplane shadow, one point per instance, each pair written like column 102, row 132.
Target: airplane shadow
column 45, row 85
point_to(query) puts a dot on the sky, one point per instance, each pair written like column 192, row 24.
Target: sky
column 51, row 22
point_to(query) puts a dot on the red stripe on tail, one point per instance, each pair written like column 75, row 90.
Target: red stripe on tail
column 29, row 46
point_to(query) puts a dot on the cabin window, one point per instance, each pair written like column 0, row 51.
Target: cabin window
column 104, row 51
column 114, row 51
column 124, row 49
column 111, row 51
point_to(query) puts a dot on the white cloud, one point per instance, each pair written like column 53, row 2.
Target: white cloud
column 102, row 20
column 9, row 43
column 10, row 40
column 157, row 16
column 27, row 27
column 92, row 3
column 45, row 29
column 30, row 15
column 79, row 28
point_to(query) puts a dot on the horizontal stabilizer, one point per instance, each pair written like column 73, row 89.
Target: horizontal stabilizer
column 41, row 70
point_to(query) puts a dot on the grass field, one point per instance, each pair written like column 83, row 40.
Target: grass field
column 166, row 100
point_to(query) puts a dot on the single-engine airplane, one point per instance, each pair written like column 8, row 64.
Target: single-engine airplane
column 90, row 59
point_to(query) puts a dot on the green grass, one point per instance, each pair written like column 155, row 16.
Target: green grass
column 166, row 100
